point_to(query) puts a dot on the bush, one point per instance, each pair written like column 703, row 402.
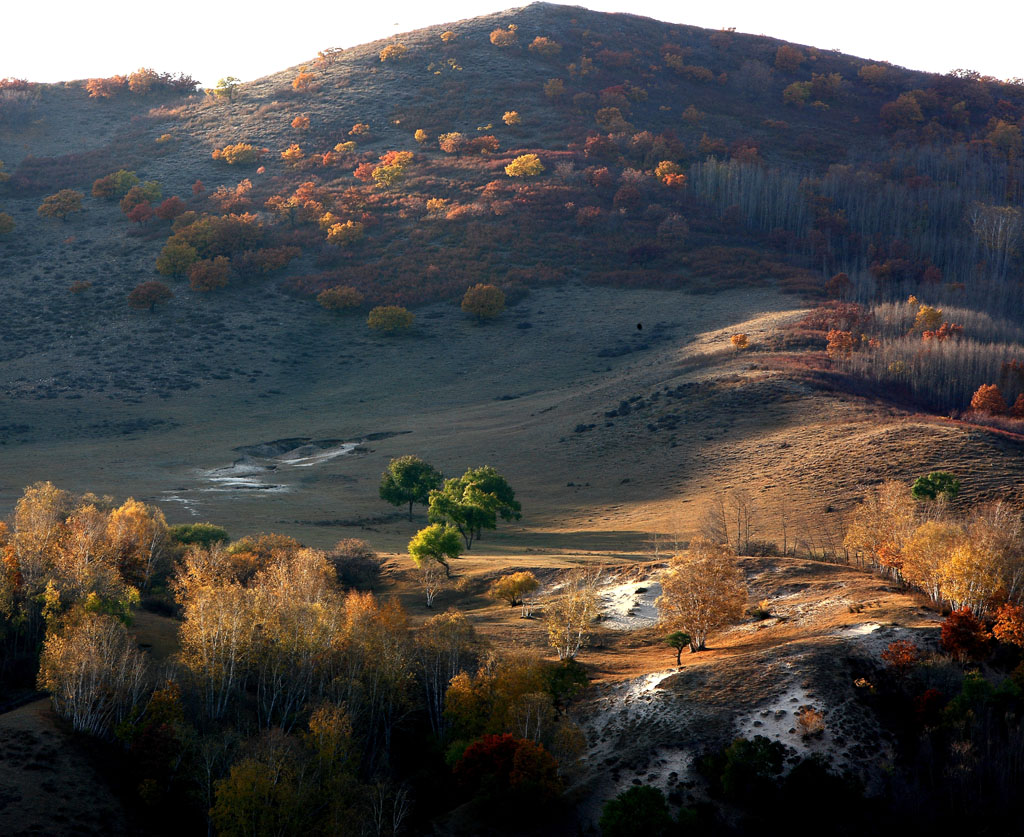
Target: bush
column 639, row 811
column 356, row 564
column 6, row 223
column 149, row 295
column 505, row 37
column 393, row 52
column 545, row 47
column 485, row 302
column 525, row 165
column 200, row 534
column 241, row 153
column 340, row 298
column 390, row 318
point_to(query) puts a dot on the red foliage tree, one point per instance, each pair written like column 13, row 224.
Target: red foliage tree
column 901, row 656
column 988, row 399
column 1017, row 411
column 208, row 274
column 140, row 213
column 149, row 295
column 503, row 766
column 170, row 209
column 964, row 636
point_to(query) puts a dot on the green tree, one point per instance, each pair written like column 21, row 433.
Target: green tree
column 639, row 811
column 226, row 88
column 678, row 640
column 473, row 502
column 409, row 479
column 933, row 485
column 438, row 542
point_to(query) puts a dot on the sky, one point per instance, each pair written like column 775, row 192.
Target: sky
column 69, row 39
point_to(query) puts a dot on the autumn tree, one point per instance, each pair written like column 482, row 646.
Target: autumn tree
column 175, row 259
column 445, row 646
column 1009, row 624
column 925, row 553
column 505, row 37
column 93, row 671
column 115, row 185
column 545, row 47
column 389, row 319
column 473, row 502
column 570, row 612
column 6, row 224
column 209, row 274
column 149, row 295
column 739, row 341
column 512, row 118
column 988, row 399
column 438, row 543
column 525, row 165
column 513, row 588
column 420, row 135
column 901, row 655
column 485, row 302
column 239, row 153
column 964, row 636
column 788, row 58
column 340, row 298
column 702, row 590
column 452, row 143
column 408, row 479
column 393, row 52
column 878, row 527
column 344, row 234
column 61, row 204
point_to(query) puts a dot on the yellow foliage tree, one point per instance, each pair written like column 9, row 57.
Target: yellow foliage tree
column 61, row 204
column 702, row 590
column 390, row 318
column 485, row 302
column 525, row 165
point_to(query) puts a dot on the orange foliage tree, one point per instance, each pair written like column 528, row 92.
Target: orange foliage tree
column 988, row 399
column 545, row 47
column 505, row 37
column 964, row 636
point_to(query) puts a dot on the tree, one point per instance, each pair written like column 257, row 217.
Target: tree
column 6, row 223
column 702, row 590
column 639, row 811
column 240, row 153
column 505, row 37
column 1009, row 625
column 512, row 118
column 935, row 485
column 438, row 543
column 901, row 655
column 451, row 143
column 149, row 295
column 344, row 234
column 226, row 88
column 115, row 185
column 525, row 165
column 176, row 259
column 170, row 209
column 988, row 399
column 569, row 614
column 93, row 670
column 739, row 341
column 964, row 636
column 408, row 479
column 925, row 553
column 208, row 274
column 484, row 302
column 473, row 502
column 340, row 298
column 61, row 204
column 788, row 58
column 513, row 588
column 545, row 47
column 879, row 526
column 390, row 318
column 393, row 52
column 445, row 646
column 505, row 768
column 678, row 640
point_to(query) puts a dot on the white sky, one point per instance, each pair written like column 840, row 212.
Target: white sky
column 70, row 39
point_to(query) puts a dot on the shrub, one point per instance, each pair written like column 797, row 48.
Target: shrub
column 6, row 223
column 554, row 88
column 964, row 636
column 240, row 153
column 512, row 118
column 115, row 185
column 545, row 47
column 448, row 36
column 208, row 274
column 901, row 655
column 639, row 810
column 505, row 37
column 525, row 165
column 356, row 564
column 301, row 123
column 359, row 129
column 421, row 135
column 340, row 298
column 393, row 52
column 303, row 82
column 200, row 534
column 345, row 234
column 175, row 259
column 149, row 295
column 390, row 318
column 484, row 301
column 739, row 341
